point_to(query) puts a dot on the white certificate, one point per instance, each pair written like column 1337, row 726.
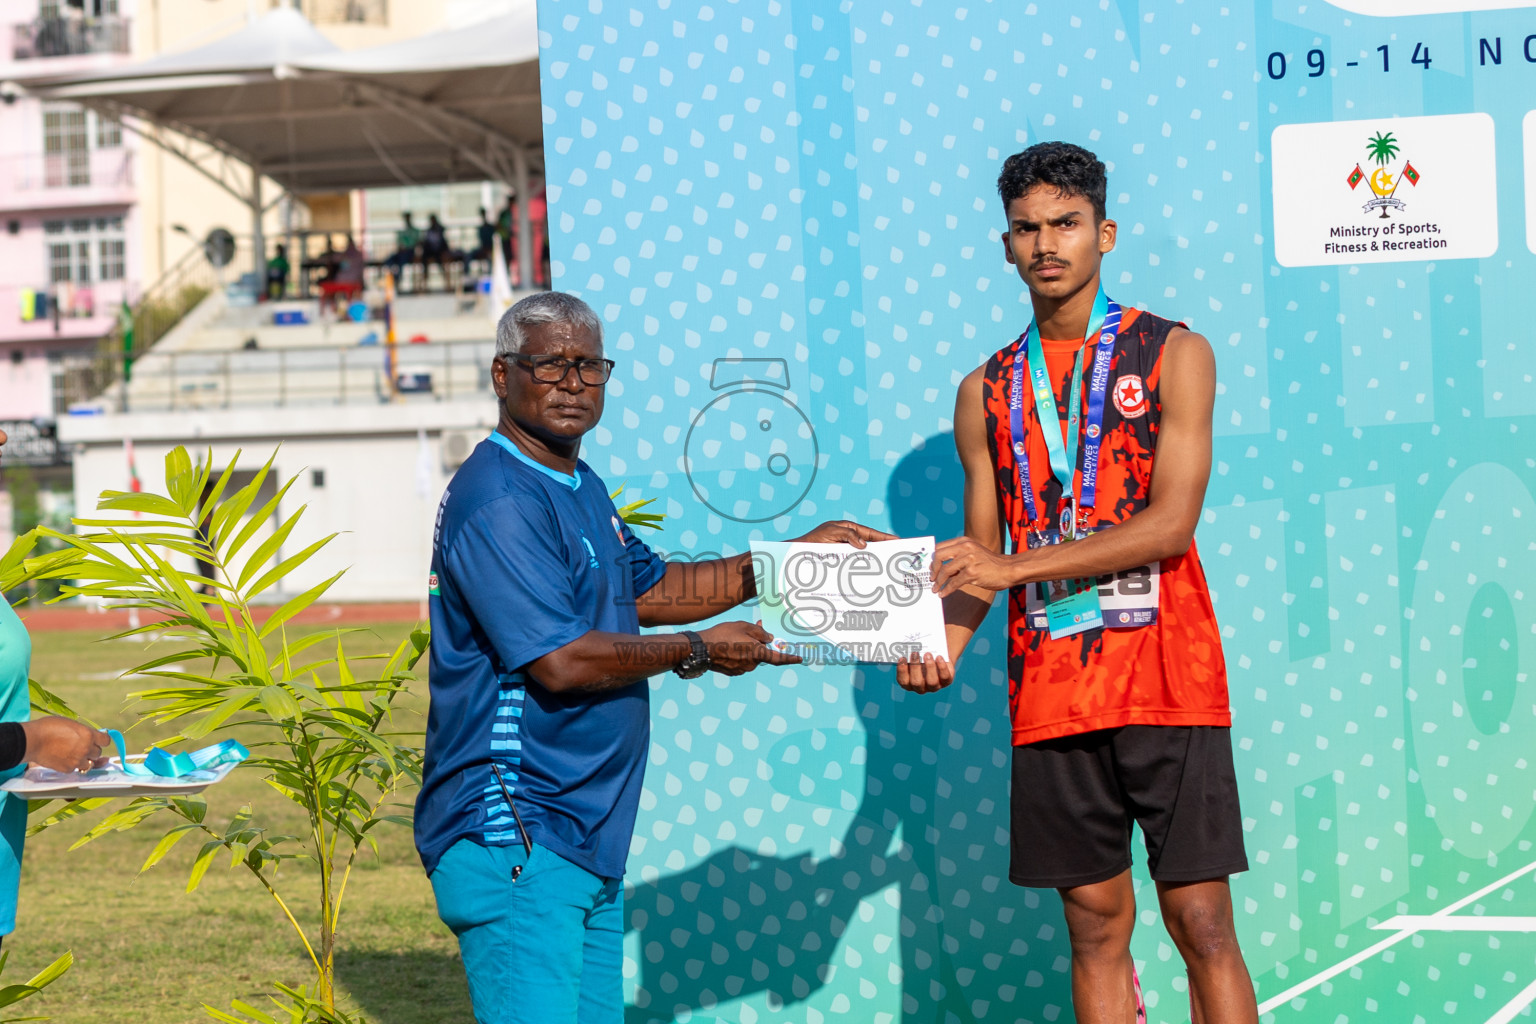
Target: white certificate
column 838, row 604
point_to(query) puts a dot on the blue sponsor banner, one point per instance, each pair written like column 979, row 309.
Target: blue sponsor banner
column 786, row 214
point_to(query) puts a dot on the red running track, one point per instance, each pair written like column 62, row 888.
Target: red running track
column 78, row 617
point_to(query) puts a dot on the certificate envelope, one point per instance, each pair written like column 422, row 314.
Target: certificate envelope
column 837, row 604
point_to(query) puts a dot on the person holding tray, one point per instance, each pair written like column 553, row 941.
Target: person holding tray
column 52, row 742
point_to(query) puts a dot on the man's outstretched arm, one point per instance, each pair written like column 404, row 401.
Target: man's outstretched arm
column 1164, row 529
column 598, row 661
column 965, row 607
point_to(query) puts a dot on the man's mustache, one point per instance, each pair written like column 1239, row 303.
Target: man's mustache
column 1047, row 264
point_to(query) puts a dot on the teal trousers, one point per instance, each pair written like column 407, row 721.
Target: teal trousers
column 544, row 948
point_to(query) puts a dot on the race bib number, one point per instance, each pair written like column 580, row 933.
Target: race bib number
column 1126, row 599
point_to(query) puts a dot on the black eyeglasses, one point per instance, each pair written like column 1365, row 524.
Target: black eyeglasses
column 553, row 369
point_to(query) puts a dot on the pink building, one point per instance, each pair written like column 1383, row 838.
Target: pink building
column 69, row 237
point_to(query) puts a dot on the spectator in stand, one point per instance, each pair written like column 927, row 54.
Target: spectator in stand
column 508, row 233
column 538, row 219
column 407, row 242
column 327, row 259
column 277, row 273
column 347, row 279
column 538, row 231
column 485, row 237
column 434, row 250
column 538, row 237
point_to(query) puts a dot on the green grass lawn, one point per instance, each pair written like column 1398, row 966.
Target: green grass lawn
column 145, row 950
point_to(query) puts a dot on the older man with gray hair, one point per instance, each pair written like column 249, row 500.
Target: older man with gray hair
column 539, row 727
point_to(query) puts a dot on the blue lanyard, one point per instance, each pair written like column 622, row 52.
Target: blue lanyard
column 1030, row 353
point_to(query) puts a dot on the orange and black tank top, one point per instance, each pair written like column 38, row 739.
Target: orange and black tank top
column 1170, row 672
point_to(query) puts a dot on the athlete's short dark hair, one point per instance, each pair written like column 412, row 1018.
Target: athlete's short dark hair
column 1070, row 170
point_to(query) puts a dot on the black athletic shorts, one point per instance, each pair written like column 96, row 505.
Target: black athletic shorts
column 1075, row 799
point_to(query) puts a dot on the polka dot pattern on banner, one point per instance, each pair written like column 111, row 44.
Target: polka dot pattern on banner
column 785, row 212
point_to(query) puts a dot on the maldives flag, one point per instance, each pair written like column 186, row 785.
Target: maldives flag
column 1356, row 176
column 1411, row 174
column 135, row 485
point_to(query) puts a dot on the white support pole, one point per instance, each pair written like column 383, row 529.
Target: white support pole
column 527, row 259
column 258, row 240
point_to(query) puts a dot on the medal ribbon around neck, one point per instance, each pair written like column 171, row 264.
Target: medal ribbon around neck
column 1029, row 354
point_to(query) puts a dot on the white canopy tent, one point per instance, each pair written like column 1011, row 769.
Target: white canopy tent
column 277, row 99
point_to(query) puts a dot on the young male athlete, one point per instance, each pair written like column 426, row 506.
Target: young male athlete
column 1087, row 444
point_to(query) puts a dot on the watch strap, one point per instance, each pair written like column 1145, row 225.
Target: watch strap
column 696, row 661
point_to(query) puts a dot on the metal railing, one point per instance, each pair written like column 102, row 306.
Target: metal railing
column 70, row 168
column 186, row 283
column 377, row 243
column 276, row 377
column 299, row 377
column 83, row 379
column 307, row 254
column 65, row 36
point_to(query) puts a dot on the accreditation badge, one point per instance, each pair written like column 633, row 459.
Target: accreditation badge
column 1123, row 600
column 1072, row 607
column 1066, row 607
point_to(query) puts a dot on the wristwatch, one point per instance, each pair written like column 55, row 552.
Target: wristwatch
column 696, row 662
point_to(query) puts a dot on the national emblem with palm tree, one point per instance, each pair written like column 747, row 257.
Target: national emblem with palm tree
column 1381, row 149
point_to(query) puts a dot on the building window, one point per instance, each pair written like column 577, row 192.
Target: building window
column 109, row 131
column 63, row 127
column 66, row 152
column 112, row 259
column 60, row 266
column 70, row 133
column 72, row 27
column 84, row 250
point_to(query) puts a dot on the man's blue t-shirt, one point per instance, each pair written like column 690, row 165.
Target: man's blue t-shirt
column 526, row 559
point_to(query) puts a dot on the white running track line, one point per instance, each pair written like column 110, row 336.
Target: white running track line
column 1431, row 923
column 1514, row 1006
column 1277, row 1001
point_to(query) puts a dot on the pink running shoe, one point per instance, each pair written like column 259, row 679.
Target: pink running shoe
column 1141, row 1007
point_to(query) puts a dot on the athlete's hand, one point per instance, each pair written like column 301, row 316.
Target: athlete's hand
column 843, row 531
column 738, row 647
column 924, row 673
column 63, row 745
column 963, row 562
